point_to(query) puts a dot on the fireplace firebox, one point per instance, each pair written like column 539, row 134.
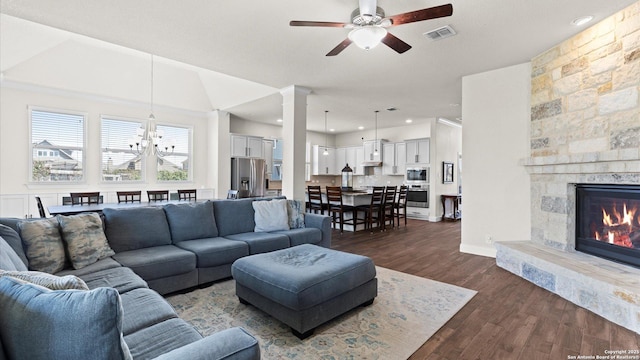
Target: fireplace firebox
column 608, row 222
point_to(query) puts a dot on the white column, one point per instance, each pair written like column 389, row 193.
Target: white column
column 294, row 131
column 219, row 153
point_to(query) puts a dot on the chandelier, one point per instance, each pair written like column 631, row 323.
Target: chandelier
column 148, row 140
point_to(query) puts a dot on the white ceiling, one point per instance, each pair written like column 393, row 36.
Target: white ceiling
column 251, row 40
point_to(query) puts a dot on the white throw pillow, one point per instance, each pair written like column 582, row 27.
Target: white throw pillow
column 270, row 215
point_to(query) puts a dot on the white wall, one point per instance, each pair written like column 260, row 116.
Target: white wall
column 447, row 145
column 394, row 134
column 495, row 137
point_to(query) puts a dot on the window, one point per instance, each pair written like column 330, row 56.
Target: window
column 174, row 165
column 57, row 145
column 118, row 162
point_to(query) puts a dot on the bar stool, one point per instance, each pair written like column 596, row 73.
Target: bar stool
column 232, row 194
column 315, row 199
column 400, row 206
column 189, row 194
column 129, row 196
column 374, row 209
column 388, row 206
column 158, row 195
column 84, row 198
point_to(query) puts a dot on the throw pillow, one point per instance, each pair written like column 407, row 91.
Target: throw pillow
column 13, row 239
column 44, row 247
column 9, row 260
column 84, row 239
column 53, row 282
column 295, row 210
column 38, row 323
column 270, row 215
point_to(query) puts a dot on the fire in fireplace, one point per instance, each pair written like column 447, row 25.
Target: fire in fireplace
column 608, row 222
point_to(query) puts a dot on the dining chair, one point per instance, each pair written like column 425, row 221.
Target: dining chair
column 388, row 206
column 400, row 206
column 43, row 214
column 337, row 209
column 316, row 204
column 189, row 194
column 129, row 196
column 232, row 194
column 85, row 198
column 158, row 195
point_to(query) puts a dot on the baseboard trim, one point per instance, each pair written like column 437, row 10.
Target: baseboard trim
column 478, row 250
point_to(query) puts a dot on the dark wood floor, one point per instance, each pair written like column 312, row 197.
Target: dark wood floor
column 509, row 318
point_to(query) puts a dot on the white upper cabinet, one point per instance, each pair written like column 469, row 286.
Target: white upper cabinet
column 394, row 158
column 246, row 146
column 370, row 147
column 324, row 164
column 417, row 151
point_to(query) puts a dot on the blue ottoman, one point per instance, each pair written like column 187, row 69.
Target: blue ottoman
column 305, row 286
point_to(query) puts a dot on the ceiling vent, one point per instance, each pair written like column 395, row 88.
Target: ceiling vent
column 440, row 33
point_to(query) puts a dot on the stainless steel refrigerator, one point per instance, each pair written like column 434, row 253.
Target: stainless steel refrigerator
column 248, row 176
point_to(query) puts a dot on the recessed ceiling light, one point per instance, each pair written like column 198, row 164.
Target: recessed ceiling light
column 408, row 121
column 332, row 130
column 581, row 20
column 279, row 120
column 360, row 127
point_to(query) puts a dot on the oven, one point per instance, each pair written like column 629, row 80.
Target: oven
column 417, row 175
column 418, row 197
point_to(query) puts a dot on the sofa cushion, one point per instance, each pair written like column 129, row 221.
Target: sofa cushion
column 84, row 239
column 13, row 239
column 9, row 260
column 295, row 212
column 270, row 215
column 49, row 281
column 155, row 340
column 260, row 242
column 302, row 236
column 158, row 261
column 43, row 243
column 121, row 278
column 191, row 221
column 106, row 263
column 215, row 251
column 229, row 344
column 144, row 308
column 233, row 216
column 136, row 228
column 38, row 323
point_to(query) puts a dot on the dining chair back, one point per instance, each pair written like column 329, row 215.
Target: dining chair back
column 189, row 194
column 129, row 196
column 400, row 206
column 389, row 206
column 316, row 204
column 373, row 210
column 232, row 194
column 43, row 214
column 158, row 195
column 85, row 198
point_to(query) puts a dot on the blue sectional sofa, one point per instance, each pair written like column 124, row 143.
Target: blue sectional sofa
column 151, row 251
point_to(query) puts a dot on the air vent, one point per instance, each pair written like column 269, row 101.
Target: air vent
column 440, row 33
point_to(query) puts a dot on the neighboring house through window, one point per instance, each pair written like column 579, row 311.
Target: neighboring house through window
column 174, row 164
column 119, row 162
column 57, row 145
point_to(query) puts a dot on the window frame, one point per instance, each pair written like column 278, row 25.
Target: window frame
column 143, row 161
column 189, row 179
column 85, row 122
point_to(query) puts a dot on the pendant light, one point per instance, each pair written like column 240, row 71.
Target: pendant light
column 325, row 152
column 375, row 144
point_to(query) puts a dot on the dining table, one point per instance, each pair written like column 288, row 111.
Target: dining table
column 77, row 209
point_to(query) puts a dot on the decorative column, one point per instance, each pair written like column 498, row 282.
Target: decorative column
column 294, row 131
column 219, row 153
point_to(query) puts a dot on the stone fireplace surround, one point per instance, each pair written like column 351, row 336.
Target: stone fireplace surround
column 550, row 261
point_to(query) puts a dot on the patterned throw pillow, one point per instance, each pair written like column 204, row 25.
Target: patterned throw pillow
column 295, row 210
column 67, row 282
column 44, row 247
column 84, row 239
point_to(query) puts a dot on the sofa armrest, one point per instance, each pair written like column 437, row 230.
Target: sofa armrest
column 321, row 222
column 230, row 344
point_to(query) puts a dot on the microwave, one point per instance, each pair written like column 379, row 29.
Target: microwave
column 417, row 175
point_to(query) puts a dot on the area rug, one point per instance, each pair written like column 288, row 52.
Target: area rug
column 407, row 311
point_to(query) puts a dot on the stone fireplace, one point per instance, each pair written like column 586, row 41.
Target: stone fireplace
column 585, row 129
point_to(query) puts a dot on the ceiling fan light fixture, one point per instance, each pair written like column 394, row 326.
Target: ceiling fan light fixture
column 367, row 37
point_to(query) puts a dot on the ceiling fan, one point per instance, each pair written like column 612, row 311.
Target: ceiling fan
column 369, row 25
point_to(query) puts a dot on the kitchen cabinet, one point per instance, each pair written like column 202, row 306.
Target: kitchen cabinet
column 246, row 146
column 354, row 157
column 341, row 159
column 394, row 158
column 324, row 164
column 370, row 147
column 417, row 151
column 267, row 152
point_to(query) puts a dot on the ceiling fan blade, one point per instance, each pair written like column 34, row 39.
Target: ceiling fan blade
column 420, row 15
column 317, row 23
column 338, row 49
column 396, row 44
